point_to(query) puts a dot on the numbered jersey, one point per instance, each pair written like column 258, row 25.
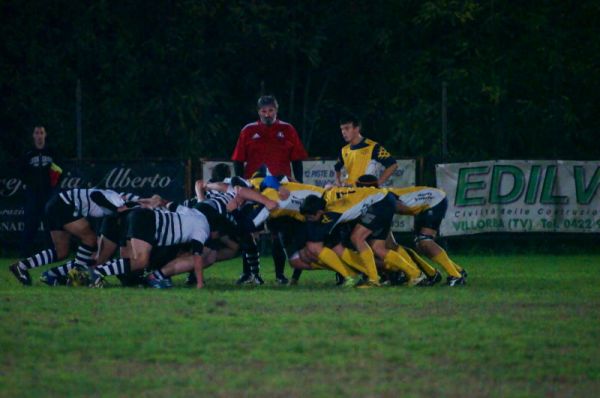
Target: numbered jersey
column 85, row 206
column 418, row 199
column 351, row 203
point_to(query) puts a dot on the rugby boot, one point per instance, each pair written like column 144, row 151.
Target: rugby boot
column 454, row 281
column 21, row 275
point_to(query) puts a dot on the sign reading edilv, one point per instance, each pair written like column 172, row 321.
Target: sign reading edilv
column 521, row 196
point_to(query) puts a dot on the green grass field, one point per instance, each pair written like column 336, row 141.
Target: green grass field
column 524, row 326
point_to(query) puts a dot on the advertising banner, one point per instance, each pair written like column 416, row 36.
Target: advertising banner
column 165, row 177
column 322, row 172
column 521, row 196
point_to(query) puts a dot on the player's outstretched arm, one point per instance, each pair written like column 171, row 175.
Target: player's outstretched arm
column 249, row 194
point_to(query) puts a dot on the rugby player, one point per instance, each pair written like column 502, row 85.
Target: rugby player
column 428, row 206
column 66, row 214
column 373, row 210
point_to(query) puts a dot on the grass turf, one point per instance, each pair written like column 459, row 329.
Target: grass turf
column 524, row 326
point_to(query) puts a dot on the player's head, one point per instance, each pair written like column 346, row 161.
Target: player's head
column 350, row 128
column 39, row 137
column 313, row 207
column 267, row 109
column 367, row 180
column 220, row 172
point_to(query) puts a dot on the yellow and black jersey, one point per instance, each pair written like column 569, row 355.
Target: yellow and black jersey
column 418, row 199
column 294, row 194
column 366, row 157
column 351, row 203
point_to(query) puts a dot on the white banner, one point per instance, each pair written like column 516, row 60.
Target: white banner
column 322, row 172
column 521, row 196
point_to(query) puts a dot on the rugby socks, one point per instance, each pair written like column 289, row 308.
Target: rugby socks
column 84, row 257
column 252, row 258
column 443, row 260
column 331, row 260
column 296, row 274
column 159, row 275
column 352, row 258
column 279, row 257
column 394, row 261
column 44, row 257
column 114, row 267
column 62, row 270
column 368, row 260
column 420, row 261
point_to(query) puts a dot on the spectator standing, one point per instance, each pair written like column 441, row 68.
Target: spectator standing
column 40, row 175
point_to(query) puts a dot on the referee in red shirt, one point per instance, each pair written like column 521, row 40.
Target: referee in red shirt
column 274, row 143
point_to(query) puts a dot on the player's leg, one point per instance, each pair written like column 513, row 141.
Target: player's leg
column 426, row 227
column 250, row 260
column 330, row 259
column 395, row 262
column 410, row 256
column 57, row 215
column 86, row 251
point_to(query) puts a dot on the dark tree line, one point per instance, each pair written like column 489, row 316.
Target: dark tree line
column 180, row 78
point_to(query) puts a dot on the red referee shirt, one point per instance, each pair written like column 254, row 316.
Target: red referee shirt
column 276, row 146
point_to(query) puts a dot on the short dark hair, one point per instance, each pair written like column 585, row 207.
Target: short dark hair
column 267, row 100
column 367, row 180
column 312, row 204
column 220, row 172
column 350, row 118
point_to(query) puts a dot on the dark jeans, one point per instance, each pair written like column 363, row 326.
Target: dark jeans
column 35, row 203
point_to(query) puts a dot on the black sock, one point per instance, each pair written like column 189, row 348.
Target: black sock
column 296, row 274
column 279, row 256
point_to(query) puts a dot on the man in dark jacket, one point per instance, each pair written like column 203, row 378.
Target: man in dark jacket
column 39, row 183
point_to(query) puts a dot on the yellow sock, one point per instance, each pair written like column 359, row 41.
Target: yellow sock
column 352, row 258
column 396, row 262
column 458, row 267
column 368, row 260
column 443, row 260
column 420, row 261
column 329, row 258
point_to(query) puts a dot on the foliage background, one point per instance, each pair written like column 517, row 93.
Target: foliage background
column 180, row 78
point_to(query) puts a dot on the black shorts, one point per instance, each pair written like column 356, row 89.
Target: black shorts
column 58, row 214
column 319, row 231
column 341, row 235
column 378, row 217
column 290, row 232
column 141, row 225
column 161, row 255
column 245, row 218
column 114, row 228
column 432, row 217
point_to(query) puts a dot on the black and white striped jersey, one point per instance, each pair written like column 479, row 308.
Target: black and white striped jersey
column 219, row 200
column 185, row 226
column 129, row 197
column 92, row 202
